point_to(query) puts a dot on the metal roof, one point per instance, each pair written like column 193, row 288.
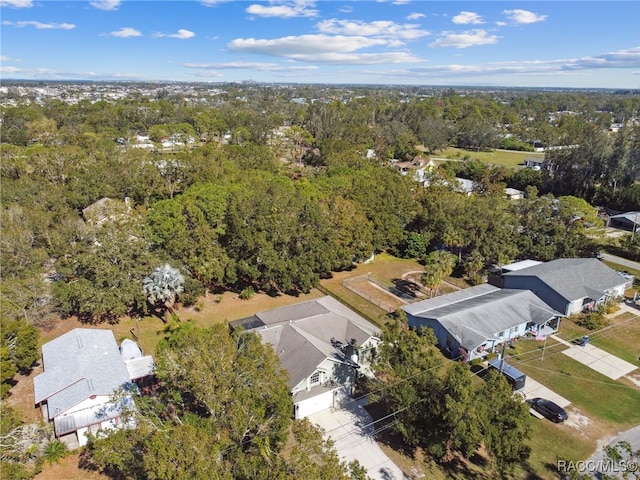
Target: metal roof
column 573, row 278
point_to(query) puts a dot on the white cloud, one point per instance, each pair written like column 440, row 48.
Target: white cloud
column 400, row 2
column 378, row 28
column 105, row 4
column 213, row 3
column 472, row 38
column 4, row 58
column 260, row 66
column 282, row 9
column 9, row 69
column 181, row 34
column 41, row 25
column 627, row 59
column 415, row 16
column 466, row 18
column 16, row 3
column 207, row 74
column 323, row 49
column 346, row 9
column 524, row 16
column 126, row 32
column 304, row 44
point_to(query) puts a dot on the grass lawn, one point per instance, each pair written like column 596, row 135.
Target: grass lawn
column 510, row 159
column 548, row 443
column 612, row 402
column 621, row 338
column 622, row 268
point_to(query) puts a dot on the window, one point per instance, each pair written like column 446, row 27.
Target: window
column 315, row 378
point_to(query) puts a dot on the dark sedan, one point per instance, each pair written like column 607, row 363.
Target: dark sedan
column 548, row 409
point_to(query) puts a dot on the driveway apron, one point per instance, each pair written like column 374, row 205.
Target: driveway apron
column 351, row 429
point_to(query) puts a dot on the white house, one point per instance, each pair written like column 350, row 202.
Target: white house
column 322, row 344
column 82, row 370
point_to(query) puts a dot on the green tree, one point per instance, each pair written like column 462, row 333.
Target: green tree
column 18, row 350
column 505, row 424
column 100, row 277
column 223, row 411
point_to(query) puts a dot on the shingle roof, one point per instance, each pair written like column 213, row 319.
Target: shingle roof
column 78, row 364
column 476, row 314
column 574, row 278
column 301, row 334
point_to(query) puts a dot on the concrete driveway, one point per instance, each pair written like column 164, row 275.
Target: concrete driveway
column 533, row 389
column 597, row 359
column 350, row 427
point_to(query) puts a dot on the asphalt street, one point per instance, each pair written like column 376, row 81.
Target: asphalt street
column 621, row 261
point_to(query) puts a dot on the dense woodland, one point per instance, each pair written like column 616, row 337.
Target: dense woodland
column 276, row 194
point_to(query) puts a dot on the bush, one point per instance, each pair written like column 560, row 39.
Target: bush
column 192, row 290
column 491, row 356
column 247, row 293
column 591, row 320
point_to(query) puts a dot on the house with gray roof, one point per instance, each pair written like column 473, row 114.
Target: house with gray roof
column 82, row 370
column 322, row 344
column 569, row 285
column 625, row 221
column 472, row 322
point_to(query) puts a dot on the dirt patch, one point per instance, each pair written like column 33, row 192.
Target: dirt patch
column 577, row 420
column 374, row 293
column 68, row 469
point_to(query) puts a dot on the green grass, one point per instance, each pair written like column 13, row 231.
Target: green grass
column 621, row 338
column 548, row 443
column 596, row 395
column 616, row 266
column 508, row 159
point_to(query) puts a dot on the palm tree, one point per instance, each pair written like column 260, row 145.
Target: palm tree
column 163, row 286
column 54, row 451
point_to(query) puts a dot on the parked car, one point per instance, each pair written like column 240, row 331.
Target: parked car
column 548, row 409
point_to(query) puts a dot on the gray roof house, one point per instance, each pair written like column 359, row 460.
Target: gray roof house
column 569, row 285
column 321, row 343
column 471, row 322
column 82, row 370
column 626, row 221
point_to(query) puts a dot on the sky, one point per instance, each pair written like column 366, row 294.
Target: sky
column 572, row 44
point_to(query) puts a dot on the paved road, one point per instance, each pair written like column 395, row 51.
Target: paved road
column 621, row 261
column 632, row 436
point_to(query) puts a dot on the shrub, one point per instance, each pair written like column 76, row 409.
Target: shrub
column 491, row 356
column 54, row 452
column 247, row 293
column 591, row 320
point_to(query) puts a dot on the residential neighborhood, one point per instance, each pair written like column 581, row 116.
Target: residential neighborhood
column 248, row 281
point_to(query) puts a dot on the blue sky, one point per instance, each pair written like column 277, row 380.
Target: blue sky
column 529, row 44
